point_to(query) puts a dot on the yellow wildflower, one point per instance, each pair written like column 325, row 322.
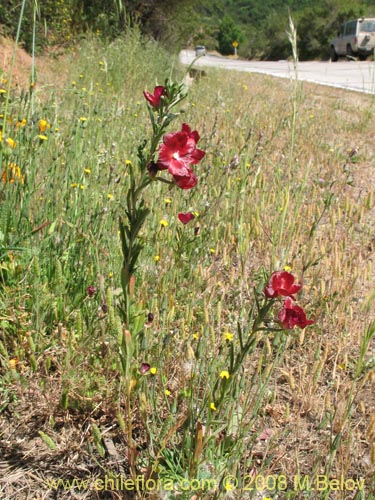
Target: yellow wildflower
column 228, row 336
column 213, row 407
column 13, row 363
column 164, row 223
column 153, row 370
column 11, row 142
column 229, row 486
column 224, row 374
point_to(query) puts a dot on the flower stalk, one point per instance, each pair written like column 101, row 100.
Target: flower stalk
column 176, row 153
column 280, row 284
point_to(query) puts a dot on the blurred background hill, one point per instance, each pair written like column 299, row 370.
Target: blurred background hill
column 258, row 25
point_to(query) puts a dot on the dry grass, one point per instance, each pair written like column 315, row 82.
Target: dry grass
column 306, row 405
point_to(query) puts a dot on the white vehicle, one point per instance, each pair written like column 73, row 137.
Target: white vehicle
column 356, row 38
column 200, row 50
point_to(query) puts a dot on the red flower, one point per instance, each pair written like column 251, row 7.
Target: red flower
column 292, row 315
column 187, row 181
column 155, row 98
column 186, row 217
column 177, row 152
column 281, row 283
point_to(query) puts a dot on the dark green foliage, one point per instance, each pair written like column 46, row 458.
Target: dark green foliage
column 59, row 22
column 265, row 23
column 50, row 20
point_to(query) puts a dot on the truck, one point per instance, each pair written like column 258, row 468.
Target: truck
column 355, row 38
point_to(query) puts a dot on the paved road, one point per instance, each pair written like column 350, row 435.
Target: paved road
column 348, row 74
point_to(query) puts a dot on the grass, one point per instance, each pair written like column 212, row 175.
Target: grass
column 74, row 403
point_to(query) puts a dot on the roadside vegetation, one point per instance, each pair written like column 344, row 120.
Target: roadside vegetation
column 143, row 332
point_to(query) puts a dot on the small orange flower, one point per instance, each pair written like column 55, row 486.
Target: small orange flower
column 43, row 125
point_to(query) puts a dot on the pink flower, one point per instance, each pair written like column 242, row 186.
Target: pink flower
column 282, row 283
column 292, row 315
column 177, row 153
column 145, row 367
column 185, row 217
column 155, row 98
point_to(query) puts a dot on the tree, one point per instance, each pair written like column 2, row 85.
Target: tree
column 228, row 33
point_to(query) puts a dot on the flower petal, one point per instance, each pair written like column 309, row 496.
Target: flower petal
column 186, row 182
column 293, row 315
column 281, row 283
column 185, row 217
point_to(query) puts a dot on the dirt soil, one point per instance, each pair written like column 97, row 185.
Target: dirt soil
column 22, row 71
